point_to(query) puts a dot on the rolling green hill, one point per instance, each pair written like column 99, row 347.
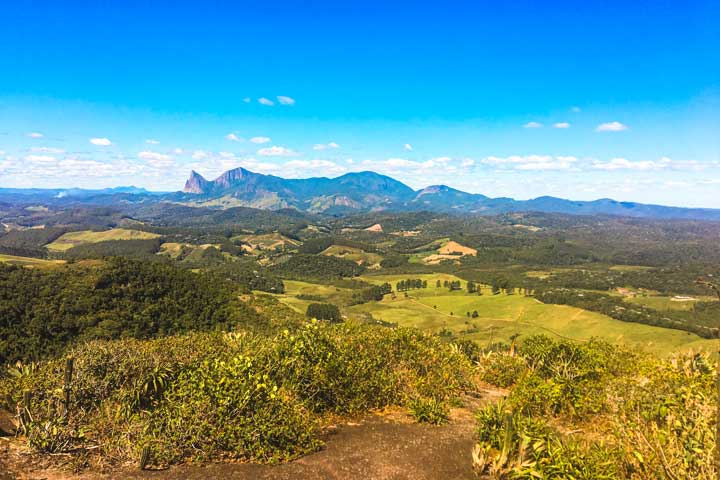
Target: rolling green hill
column 74, row 239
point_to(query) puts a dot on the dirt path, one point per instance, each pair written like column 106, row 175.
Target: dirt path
column 376, row 447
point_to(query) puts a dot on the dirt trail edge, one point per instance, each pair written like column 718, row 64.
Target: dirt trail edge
column 375, row 447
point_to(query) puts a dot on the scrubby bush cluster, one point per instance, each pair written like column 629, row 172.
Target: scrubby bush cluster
column 593, row 410
column 231, row 395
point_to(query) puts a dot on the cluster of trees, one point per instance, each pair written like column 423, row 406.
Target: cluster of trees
column 41, row 311
column 451, row 285
column 617, row 308
column 316, row 267
column 251, row 276
column 372, row 293
column 410, row 284
column 317, row 245
column 145, row 249
column 30, row 242
column 669, row 280
column 324, row 311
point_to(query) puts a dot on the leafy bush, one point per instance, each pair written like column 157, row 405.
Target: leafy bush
column 429, row 410
column 632, row 416
column 501, row 369
column 232, row 395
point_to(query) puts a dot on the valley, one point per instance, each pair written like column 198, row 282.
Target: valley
column 377, row 324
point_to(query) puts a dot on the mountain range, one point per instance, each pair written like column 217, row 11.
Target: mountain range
column 369, row 191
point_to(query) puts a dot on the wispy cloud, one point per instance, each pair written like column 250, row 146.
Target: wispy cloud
column 625, row 164
column 260, row 139
column 325, row 146
column 283, row 100
column 151, row 141
column 101, row 141
column 611, row 127
column 232, row 137
column 532, row 162
column 247, row 100
column 266, row 101
column 47, row 150
column 561, row 125
column 533, row 125
column 276, row 151
column 408, row 147
column 40, row 159
column 158, row 160
column 199, row 154
column 35, row 135
column 575, row 109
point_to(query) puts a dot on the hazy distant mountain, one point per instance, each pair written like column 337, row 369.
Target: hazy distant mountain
column 348, row 194
column 360, row 191
column 370, row 191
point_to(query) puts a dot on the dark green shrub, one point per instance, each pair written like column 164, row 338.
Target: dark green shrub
column 324, row 311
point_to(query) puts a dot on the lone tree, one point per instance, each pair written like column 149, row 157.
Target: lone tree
column 324, row 311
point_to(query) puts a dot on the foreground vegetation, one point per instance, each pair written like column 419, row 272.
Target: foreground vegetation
column 228, row 395
column 593, row 411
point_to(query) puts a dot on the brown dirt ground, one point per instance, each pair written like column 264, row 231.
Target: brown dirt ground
column 453, row 248
column 382, row 446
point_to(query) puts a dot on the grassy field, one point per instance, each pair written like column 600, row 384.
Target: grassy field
column 500, row 316
column 659, row 302
column 29, row 262
column 268, row 241
column 312, row 293
column 73, row 239
column 357, row 255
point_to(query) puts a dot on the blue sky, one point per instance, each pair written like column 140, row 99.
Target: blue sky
column 521, row 99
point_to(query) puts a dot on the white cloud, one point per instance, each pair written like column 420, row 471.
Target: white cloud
column 46, row 150
column 35, row 135
column 467, row 162
column 311, row 164
column 404, row 166
column 408, row 147
column 266, row 101
column 285, row 100
column 532, row 125
column 102, row 142
column 532, row 162
column 276, row 151
column 325, row 146
column 232, row 137
column 40, row 159
column 611, row 127
column 178, row 151
column 199, row 154
column 561, row 125
column 151, row 141
column 260, row 139
column 158, row 160
column 625, row 164
column 575, row 109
